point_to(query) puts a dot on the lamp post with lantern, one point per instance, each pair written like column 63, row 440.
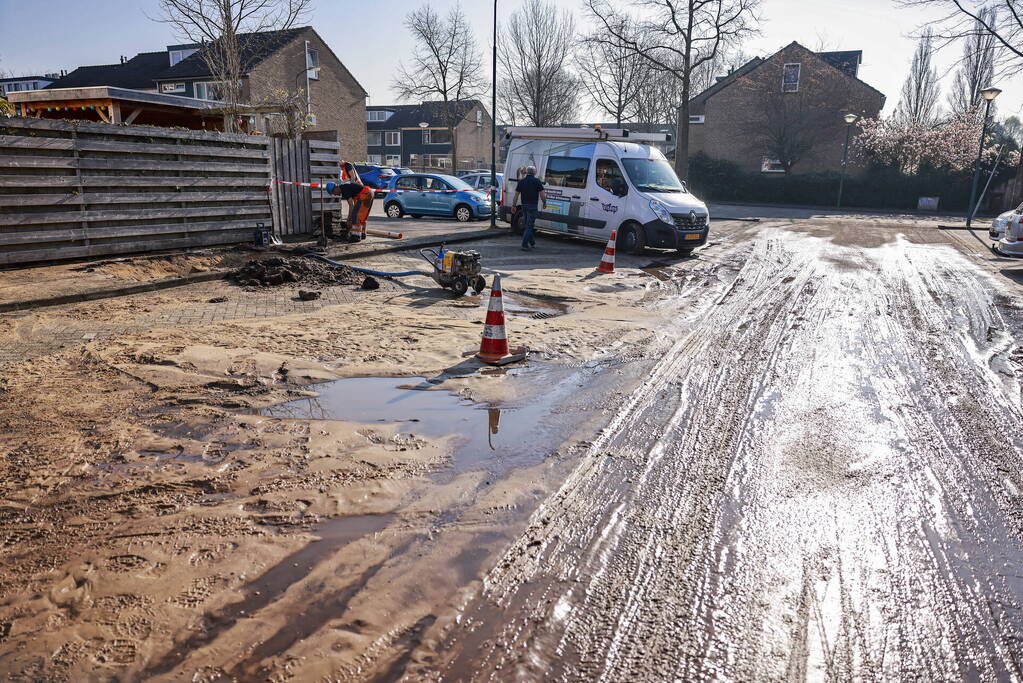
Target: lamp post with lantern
column 850, row 119
column 423, row 125
column 989, row 94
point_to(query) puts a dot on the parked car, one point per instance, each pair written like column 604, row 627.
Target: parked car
column 377, row 177
column 401, row 170
column 481, row 181
column 1006, row 232
column 471, row 171
column 999, row 224
column 429, row 194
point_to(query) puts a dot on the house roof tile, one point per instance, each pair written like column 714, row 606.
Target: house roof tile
column 411, row 115
column 137, row 73
column 255, row 47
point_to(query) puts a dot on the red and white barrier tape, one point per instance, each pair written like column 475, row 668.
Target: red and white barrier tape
column 388, row 191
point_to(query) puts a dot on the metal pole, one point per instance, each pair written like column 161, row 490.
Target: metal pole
column 323, row 223
column 845, row 155
column 976, row 171
column 308, row 101
column 493, row 128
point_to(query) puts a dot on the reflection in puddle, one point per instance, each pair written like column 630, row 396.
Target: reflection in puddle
column 480, row 430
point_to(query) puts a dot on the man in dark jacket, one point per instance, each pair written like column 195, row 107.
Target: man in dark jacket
column 530, row 189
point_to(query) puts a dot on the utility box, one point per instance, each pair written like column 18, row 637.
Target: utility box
column 927, row 204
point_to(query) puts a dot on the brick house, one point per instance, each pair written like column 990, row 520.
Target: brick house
column 396, row 138
column 273, row 60
column 783, row 113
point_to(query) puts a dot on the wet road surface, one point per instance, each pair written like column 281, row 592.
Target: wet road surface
column 820, row 478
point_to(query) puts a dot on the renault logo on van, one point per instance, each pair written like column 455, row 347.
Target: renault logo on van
column 692, row 217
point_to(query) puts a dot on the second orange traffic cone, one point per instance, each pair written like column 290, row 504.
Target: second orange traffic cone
column 607, row 261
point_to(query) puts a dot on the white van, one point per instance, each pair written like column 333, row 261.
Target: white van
column 598, row 180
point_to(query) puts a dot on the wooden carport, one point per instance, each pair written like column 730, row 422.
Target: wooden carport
column 105, row 104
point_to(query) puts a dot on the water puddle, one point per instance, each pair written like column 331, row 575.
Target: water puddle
column 487, row 436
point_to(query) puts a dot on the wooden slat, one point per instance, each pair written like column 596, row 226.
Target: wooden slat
column 22, row 142
column 135, row 230
column 152, row 148
column 127, row 214
column 160, row 165
column 91, row 127
column 37, row 180
column 324, row 144
column 136, row 198
column 9, row 161
column 54, row 253
column 325, row 158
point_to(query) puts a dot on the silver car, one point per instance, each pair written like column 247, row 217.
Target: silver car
column 1001, row 222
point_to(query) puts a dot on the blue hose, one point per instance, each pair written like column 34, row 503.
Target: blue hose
column 367, row 271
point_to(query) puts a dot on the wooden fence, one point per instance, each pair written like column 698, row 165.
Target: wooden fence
column 79, row 189
column 303, row 161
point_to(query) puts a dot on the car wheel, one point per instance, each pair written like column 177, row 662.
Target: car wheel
column 394, row 210
column 416, row 215
column 463, row 213
column 631, row 240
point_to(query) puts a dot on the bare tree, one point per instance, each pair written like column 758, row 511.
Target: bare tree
column 227, row 30
column 612, row 76
column 677, row 37
column 537, row 46
column 446, row 66
column 920, row 90
column 1002, row 20
column 976, row 67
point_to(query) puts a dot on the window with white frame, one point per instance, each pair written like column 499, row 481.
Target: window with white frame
column 312, row 60
column 696, row 118
column 374, row 138
column 394, row 160
column 374, row 159
column 178, row 55
column 479, row 118
column 768, row 165
column 378, row 115
column 438, row 136
column 209, row 90
column 172, row 87
column 392, row 138
column 790, row 78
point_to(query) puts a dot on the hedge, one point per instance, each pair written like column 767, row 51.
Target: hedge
column 876, row 188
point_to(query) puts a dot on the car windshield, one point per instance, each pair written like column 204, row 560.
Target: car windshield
column 456, row 183
column 653, row 175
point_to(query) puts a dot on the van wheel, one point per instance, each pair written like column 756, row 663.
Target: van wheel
column 631, row 239
column 394, row 210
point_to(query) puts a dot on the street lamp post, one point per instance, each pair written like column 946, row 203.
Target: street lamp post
column 308, row 102
column 493, row 128
column 423, row 125
column 850, row 119
column 989, row 93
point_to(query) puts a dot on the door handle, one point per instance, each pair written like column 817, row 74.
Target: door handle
column 594, row 199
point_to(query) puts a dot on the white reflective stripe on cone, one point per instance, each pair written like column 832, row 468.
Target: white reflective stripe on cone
column 493, row 332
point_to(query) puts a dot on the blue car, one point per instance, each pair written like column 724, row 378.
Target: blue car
column 428, row 194
column 377, row 177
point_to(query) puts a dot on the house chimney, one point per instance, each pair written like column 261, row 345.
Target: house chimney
column 122, row 59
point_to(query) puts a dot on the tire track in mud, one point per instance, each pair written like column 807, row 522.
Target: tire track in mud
column 820, row 479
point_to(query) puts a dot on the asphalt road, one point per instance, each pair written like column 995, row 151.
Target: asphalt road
column 820, row 478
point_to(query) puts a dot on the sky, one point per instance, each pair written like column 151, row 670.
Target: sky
column 49, row 35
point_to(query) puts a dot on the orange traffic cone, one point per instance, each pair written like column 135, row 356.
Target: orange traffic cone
column 607, row 261
column 494, row 347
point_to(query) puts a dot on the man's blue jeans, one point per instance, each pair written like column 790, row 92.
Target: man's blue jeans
column 528, row 221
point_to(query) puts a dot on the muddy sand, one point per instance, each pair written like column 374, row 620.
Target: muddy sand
column 156, row 525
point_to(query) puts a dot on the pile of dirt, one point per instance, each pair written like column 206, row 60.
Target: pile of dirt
column 278, row 270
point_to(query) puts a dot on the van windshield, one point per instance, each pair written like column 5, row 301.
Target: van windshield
column 653, row 175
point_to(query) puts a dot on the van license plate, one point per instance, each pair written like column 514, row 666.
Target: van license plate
column 694, row 236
